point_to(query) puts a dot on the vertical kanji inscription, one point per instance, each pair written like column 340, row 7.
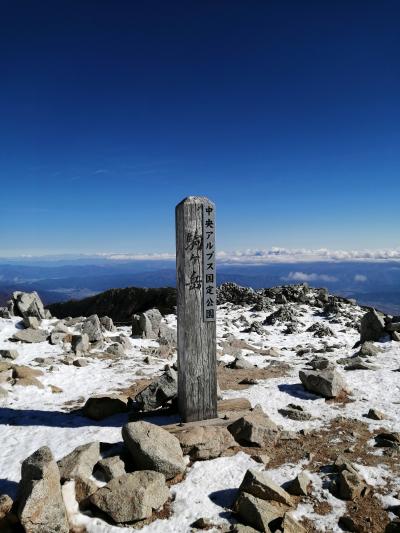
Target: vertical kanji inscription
column 196, row 308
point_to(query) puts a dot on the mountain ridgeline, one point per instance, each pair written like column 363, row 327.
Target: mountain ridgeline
column 121, row 304
column 118, row 304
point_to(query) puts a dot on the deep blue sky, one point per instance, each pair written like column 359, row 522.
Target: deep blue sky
column 285, row 113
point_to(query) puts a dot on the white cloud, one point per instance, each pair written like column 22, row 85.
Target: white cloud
column 303, row 276
column 360, row 277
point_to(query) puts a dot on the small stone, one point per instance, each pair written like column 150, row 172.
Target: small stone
column 5, row 505
column 295, row 412
column 9, row 354
column 374, row 414
column 55, row 390
column 26, row 372
column 80, row 362
column 300, row 485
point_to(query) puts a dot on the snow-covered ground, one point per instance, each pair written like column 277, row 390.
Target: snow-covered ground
column 31, row 417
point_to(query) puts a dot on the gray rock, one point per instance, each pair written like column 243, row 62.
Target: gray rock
column 100, row 407
column 107, row 323
column 320, row 363
column 395, row 336
column 80, row 344
column 110, row 468
column 9, row 354
column 147, row 324
column 158, row 393
column 205, row 442
column 372, row 326
column 350, row 485
column 374, row 414
column 28, row 304
column 4, row 312
column 80, row 362
column 258, row 513
column 6, row 504
column 30, row 335
column 116, row 349
column 241, row 363
column 56, row 337
column 40, row 503
column 60, row 327
column 368, row 349
column 320, row 330
column 152, row 447
column 393, row 326
column 300, row 485
column 290, row 525
column 80, row 462
column 260, row 485
column 132, row 497
column 295, row 412
column 357, row 363
column 31, row 322
column 92, row 328
column 167, row 334
column 327, row 383
column 21, row 371
column 255, row 429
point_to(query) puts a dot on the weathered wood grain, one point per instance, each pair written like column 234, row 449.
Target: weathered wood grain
column 197, row 377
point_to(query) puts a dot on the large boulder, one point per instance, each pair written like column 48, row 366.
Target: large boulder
column 153, row 448
column 40, row 502
column 147, row 324
column 100, row 407
column 92, row 328
column 30, row 335
column 159, row 392
column 327, row 383
column 80, row 462
column 28, row 304
column 107, row 323
column 372, row 326
column 132, row 497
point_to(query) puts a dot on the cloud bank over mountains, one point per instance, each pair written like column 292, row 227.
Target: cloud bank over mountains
column 277, row 255
column 240, row 257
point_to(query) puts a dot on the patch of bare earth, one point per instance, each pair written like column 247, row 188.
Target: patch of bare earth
column 230, row 378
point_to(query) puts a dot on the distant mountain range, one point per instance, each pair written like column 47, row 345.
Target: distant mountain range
column 370, row 283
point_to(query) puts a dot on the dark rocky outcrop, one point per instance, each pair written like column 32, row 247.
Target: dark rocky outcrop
column 119, row 304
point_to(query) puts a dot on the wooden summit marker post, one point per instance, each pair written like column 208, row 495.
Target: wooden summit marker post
column 196, row 290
